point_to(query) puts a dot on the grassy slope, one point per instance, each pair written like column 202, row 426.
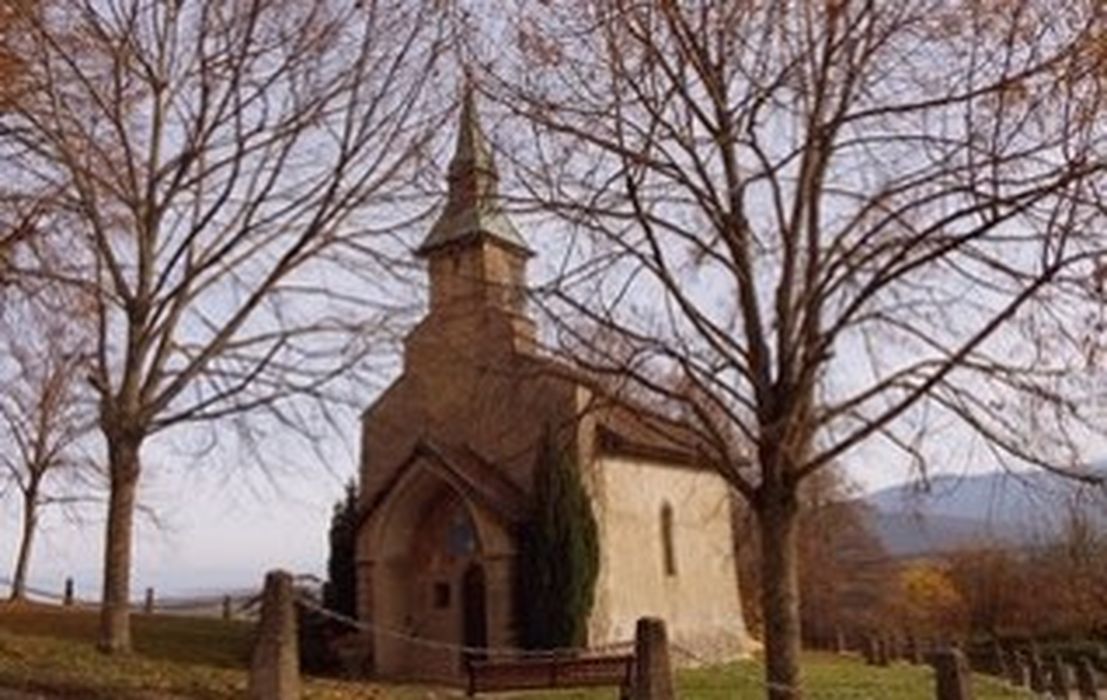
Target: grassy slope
column 50, row 649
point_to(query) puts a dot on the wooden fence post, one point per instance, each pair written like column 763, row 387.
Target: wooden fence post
column 67, row 599
column 1037, row 672
column 894, row 650
column 653, row 674
column 998, row 662
column 882, row 651
column 870, row 651
column 1059, row 680
column 1016, row 669
column 951, row 673
column 275, row 664
column 1086, row 682
column 914, row 650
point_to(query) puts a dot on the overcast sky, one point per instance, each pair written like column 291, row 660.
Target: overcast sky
column 218, row 528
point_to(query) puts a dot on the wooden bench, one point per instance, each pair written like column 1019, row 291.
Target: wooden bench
column 550, row 672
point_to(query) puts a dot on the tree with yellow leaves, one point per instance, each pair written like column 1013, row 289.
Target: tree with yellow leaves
column 929, row 602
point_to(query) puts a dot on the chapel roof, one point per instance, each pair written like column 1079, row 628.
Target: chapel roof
column 473, row 209
column 466, row 471
column 628, row 426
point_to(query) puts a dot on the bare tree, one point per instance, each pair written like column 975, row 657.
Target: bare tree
column 232, row 177
column 44, row 423
column 1053, row 583
column 1066, row 573
column 841, row 223
column 16, row 219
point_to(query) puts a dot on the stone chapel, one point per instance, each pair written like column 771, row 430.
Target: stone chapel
column 449, row 449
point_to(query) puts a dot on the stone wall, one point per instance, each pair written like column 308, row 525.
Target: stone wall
column 699, row 600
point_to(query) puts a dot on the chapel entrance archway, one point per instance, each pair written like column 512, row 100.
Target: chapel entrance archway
column 429, row 583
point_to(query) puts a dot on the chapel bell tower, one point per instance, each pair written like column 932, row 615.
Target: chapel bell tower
column 475, row 256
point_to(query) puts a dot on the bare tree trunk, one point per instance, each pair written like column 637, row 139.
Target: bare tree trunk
column 27, row 536
column 777, row 518
column 115, row 628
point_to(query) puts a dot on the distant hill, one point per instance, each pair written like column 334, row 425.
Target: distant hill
column 952, row 511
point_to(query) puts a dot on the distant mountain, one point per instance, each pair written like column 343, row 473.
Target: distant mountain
column 910, row 534
column 951, row 511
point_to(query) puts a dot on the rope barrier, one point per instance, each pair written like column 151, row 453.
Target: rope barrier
column 241, row 601
column 507, row 652
column 726, row 689
column 246, row 601
column 737, row 673
column 43, row 594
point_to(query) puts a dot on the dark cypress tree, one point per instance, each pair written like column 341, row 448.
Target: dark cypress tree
column 559, row 555
column 340, row 591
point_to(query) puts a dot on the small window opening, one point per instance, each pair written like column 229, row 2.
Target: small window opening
column 667, row 549
column 441, row 595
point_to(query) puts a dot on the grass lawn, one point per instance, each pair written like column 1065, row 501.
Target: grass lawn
column 51, row 650
column 827, row 676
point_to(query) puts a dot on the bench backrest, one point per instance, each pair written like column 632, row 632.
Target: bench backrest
column 549, row 672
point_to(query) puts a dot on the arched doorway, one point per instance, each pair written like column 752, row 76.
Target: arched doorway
column 428, row 581
column 436, row 564
column 449, row 597
column 474, row 610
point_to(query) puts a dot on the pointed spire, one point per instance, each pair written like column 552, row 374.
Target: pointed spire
column 472, row 157
column 472, row 206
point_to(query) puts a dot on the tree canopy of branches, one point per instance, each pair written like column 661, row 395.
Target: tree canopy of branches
column 221, row 172
column 44, row 422
column 837, row 223
column 16, row 218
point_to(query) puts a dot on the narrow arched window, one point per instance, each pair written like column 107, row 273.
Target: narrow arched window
column 668, row 552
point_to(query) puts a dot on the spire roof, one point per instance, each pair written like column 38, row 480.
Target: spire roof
column 473, row 205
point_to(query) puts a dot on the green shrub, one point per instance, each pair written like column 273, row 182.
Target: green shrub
column 340, row 591
column 559, row 555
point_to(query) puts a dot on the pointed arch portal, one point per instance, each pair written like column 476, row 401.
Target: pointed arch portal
column 430, row 547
